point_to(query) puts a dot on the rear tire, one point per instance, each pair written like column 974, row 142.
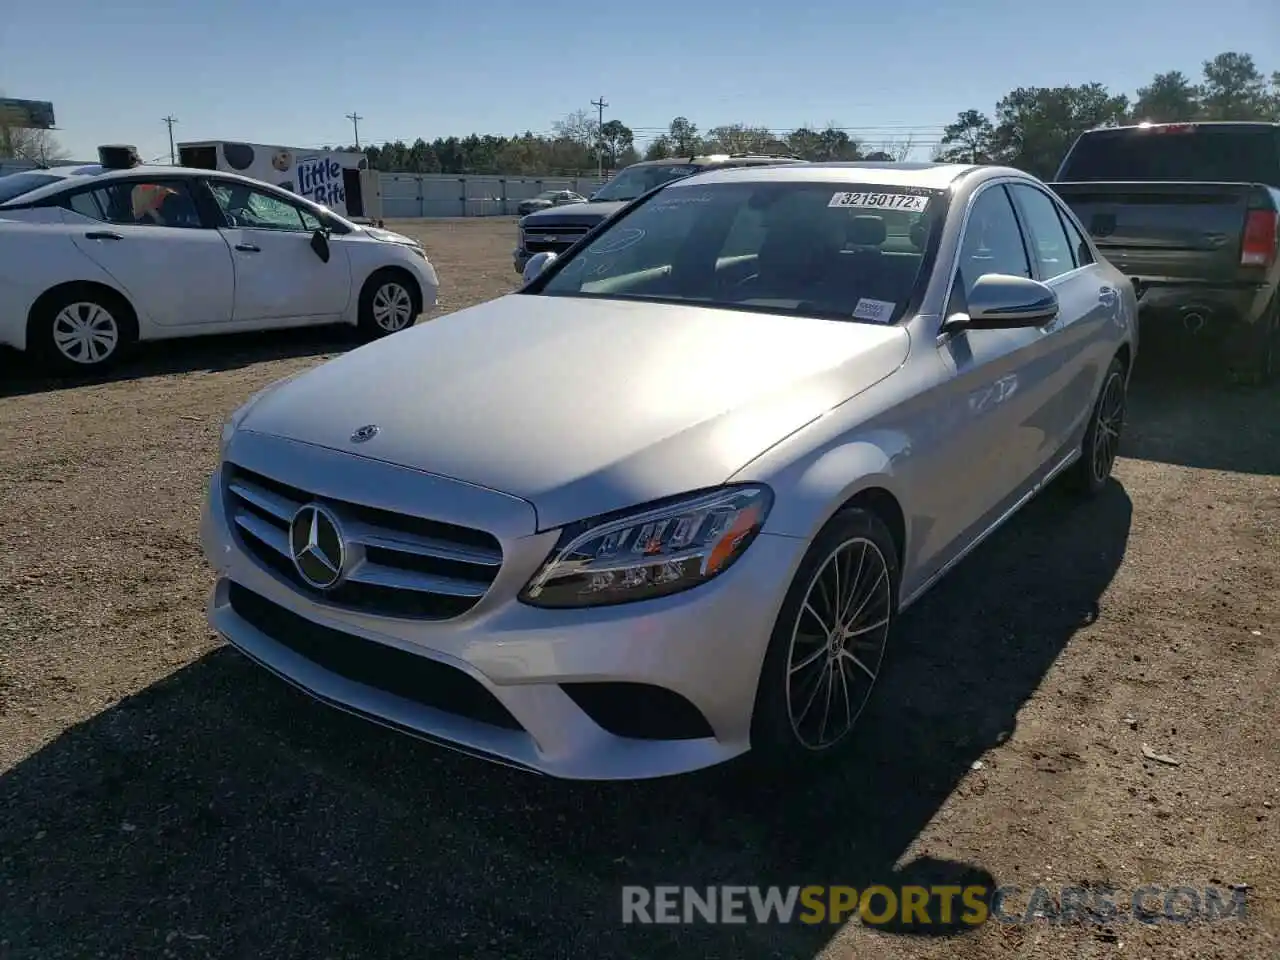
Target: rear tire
column 828, row 643
column 390, row 301
column 1088, row 476
column 81, row 330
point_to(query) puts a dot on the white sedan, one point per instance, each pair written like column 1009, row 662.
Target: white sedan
column 94, row 259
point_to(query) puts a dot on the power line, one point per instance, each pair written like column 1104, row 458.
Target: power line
column 169, row 121
column 355, row 119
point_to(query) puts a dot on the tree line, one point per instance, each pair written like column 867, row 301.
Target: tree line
column 1031, row 128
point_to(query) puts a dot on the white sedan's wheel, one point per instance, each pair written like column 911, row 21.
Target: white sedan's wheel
column 389, row 302
column 392, row 307
column 837, row 643
column 86, row 333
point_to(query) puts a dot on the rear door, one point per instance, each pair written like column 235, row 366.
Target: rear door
column 1076, row 342
column 279, row 278
column 148, row 233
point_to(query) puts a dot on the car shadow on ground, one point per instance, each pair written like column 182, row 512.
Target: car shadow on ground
column 161, row 358
column 1183, row 411
column 221, row 813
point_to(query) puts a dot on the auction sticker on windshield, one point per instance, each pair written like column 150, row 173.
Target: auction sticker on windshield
column 880, row 201
column 877, row 311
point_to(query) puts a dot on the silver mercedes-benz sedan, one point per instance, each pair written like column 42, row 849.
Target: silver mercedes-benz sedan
column 663, row 505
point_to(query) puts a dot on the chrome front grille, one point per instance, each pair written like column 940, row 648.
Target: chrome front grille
column 397, row 565
column 553, row 239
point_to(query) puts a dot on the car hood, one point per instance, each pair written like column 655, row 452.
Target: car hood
column 583, row 406
column 573, row 214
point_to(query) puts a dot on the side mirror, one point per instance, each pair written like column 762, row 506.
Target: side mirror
column 536, row 264
column 320, row 244
column 1001, row 302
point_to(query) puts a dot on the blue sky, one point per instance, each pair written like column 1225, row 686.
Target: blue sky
column 286, row 72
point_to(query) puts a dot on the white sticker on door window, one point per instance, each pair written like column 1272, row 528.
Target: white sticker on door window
column 878, row 311
column 880, row 201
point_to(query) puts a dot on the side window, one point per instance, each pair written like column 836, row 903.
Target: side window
column 992, row 240
column 251, row 209
column 163, row 204
column 86, row 204
column 1049, row 243
column 1084, row 256
column 745, row 235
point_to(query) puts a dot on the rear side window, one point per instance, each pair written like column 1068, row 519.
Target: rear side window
column 1181, row 152
column 1084, row 256
column 16, row 184
column 1048, row 240
column 141, row 204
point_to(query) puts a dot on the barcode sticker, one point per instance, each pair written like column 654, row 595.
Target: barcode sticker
column 878, row 311
column 880, row 201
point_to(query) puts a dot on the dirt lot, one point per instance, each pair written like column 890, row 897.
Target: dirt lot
column 159, row 796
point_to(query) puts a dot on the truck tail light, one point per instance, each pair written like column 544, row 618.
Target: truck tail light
column 1259, row 246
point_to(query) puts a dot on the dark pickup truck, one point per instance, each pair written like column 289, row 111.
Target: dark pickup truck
column 557, row 229
column 1189, row 212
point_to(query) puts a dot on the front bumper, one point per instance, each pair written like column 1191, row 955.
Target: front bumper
column 702, row 650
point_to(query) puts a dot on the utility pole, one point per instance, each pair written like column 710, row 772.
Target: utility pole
column 173, row 155
column 355, row 119
column 600, row 105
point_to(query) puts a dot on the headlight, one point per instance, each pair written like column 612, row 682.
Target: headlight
column 650, row 552
column 233, row 422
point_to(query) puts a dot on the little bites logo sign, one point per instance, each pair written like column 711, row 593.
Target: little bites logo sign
column 320, row 179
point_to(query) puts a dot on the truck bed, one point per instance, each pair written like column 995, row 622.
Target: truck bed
column 1163, row 232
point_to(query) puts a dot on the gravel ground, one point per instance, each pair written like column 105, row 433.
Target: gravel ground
column 159, row 796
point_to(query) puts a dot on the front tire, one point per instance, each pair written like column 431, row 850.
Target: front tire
column 390, row 301
column 1089, row 475
column 81, row 330
column 829, row 642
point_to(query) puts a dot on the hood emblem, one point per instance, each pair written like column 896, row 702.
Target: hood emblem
column 316, row 546
column 367, row 432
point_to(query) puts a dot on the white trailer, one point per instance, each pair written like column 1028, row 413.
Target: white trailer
column 341, row 181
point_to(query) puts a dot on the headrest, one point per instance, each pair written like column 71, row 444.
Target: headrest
column 918, row 234
column 866, row 231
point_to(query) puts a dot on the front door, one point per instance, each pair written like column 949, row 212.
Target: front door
column 1000, row 389
column 149, row 235
column 279, row 277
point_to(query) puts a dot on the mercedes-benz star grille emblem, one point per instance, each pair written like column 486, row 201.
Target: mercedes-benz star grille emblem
column 367, row 432
column 315, row 541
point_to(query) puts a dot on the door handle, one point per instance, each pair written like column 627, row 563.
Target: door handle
column 1107, row 296
column 102, row 235
column 248, row 248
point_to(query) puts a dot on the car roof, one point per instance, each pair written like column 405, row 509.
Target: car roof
column 94, row 172
column 933, row 176
column 716, row 159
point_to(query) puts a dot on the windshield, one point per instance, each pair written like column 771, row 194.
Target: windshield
column 16, row 184
column 1185, row 152
column 840, row 250
column 637, row 180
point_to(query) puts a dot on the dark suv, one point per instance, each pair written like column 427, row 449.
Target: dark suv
column 555, row 230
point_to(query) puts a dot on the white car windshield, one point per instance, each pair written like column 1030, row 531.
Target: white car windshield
column 639, row 180
column 841, row 250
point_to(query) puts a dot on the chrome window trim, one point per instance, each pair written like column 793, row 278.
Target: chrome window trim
column 996, row 181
